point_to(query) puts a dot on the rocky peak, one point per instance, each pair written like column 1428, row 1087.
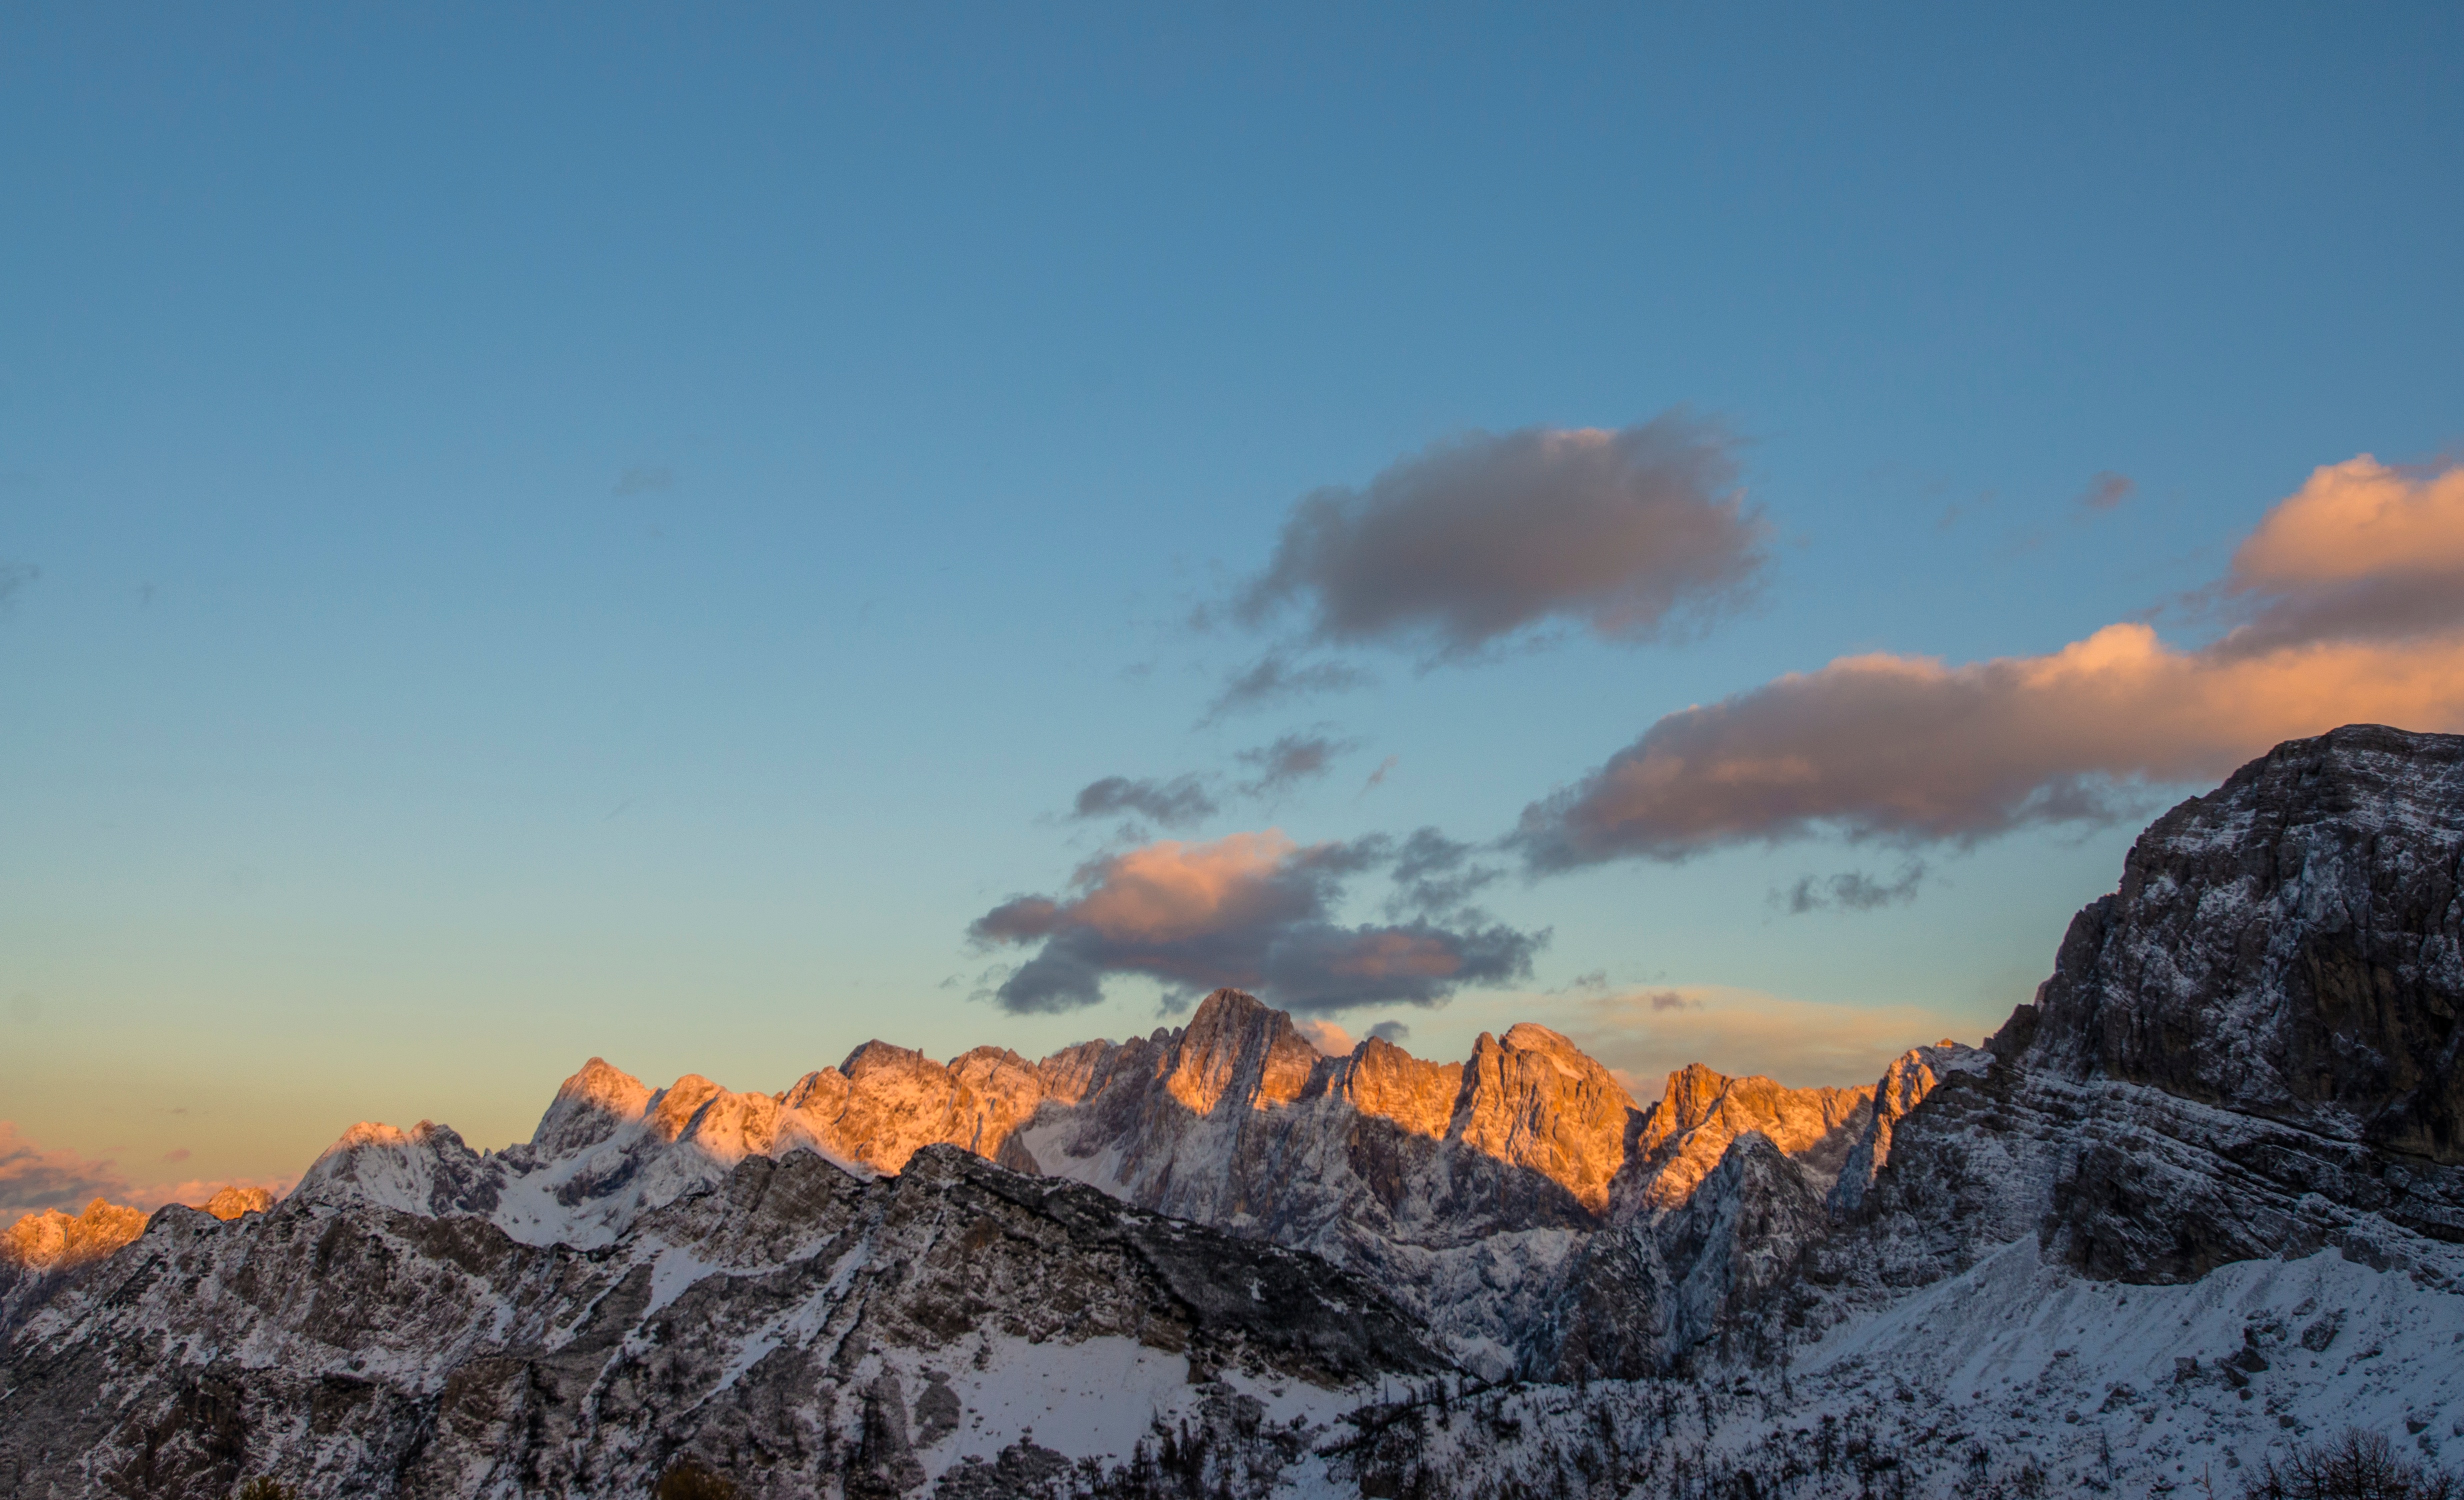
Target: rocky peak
column 1236, row 1049
column 1383, row 1080
column 2289, row 945
column 53, row 1241
column 230, row 1203
column 1532, row 1099
column 589, row 1107
column 1904, row 1085
column 1683, row 1136
column 672, row 1108
column 879, row 1056
column 1073, row 1073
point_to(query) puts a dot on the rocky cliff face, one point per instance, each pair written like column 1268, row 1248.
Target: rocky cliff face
column 2290, row 946
column 2248, row 1051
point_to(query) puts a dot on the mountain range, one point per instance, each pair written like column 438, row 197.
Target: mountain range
column 2204, row 1196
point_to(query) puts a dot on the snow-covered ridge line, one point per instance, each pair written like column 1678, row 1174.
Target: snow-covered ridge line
column 610, row 1147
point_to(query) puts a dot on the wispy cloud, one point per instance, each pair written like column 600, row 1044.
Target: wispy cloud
column 1179, row 803
column 1646, row 1034
column 2107, row 490
column 1377, row 776
column 1850, row 891
column 1291, row 760
column 1279, row 677
column 33, row 1178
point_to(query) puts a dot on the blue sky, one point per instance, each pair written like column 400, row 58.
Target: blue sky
column 609, row 531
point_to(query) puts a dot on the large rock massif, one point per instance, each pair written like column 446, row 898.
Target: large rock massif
column 2205, row 1194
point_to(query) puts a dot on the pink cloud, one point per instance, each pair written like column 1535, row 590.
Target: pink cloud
column 33, row 1178
column 2358, row 584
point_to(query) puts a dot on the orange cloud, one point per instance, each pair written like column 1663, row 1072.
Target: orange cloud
column 1250, row 909
column 2359, row 581
column 2353, row 521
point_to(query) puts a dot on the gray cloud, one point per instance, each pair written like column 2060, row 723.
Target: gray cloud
column 1851, row 890
column 2107, row 490
column 1625, row 534
column 14, row 577
column 1394, row 1032
column 1434, row 873
column 1178, row 803
column 32, row 1179
column 1292, row 758
column 1251, row 909
column 1276, row 676
column 2382, row 608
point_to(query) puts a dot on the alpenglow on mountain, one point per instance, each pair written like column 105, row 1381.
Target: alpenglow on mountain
column 2201, row 1200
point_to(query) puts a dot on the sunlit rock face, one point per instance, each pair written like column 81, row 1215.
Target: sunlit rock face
column 1532, row 1100
column 54, row 1241
column 1903, row 1086
column 1469, row 1189
column 231, row 1202
column 1688, row 1131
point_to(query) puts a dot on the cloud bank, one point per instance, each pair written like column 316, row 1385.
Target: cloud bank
column 1626, row 534
column 1646, row 1035
column 2353, row 593
column 1250, row 909
column 32, row 1179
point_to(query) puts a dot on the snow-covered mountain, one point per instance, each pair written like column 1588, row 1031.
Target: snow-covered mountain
column 1473, row 1191
column 2202, row 1199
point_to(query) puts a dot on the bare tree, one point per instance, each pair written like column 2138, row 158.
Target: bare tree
column 2358, row 1466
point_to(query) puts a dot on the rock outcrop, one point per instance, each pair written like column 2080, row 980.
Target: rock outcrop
column 42, row 1253
column 2249, row 1050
